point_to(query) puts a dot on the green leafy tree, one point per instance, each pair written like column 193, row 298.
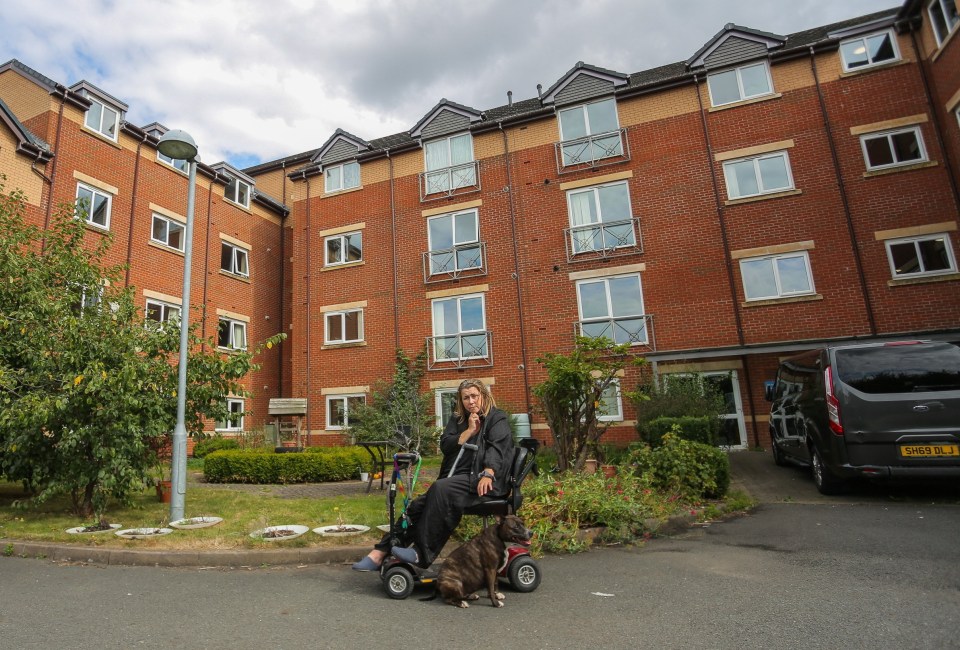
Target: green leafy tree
column 571, row 396
column 398, row 411
column 87, row 391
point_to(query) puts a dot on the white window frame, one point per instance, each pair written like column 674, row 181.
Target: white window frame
column 101, row 127
column 616, row 416
column 453, row 217
column 236, row 328
column 594, row 192
column 345, row 398
column 234, row 421
column 238, row 191
column 176, row 163
column 889, row 243
column 165, row 309
column 739, row 74
column 888, row 135
column 943, row 10
column 438, row 398
column 338, row 184
column 95, row 192
column 344, row 239
column 236, row 253
column 862, row 40
column 776, row 275
column 460, row 332
column 342, row 315
column 167, row 223
column 586, row 118
column 610, row 310
column 731, row 179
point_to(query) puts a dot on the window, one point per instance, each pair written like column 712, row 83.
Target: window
column 449, row 163
column 173, row 162
column 745, row 82
column 339, row 408
column 237, row 191
column 234, row 420
column 612, row 308
column 943, row 18
column 866, row 51
column 610, row 409
column 102, row 119
column 161, row 312
column 231, row 334
column 167, row 232
column 755, row 176
column 590, row 132
column 776, row 276
column 600, row 218
column 459, row 328
column 341, row 177
column 93, row 206
column 343, row 326
column 893, row 148
column 342, row 249
column 920, row 256
column 89, row 299
column 454, row 241
column 233, row 259
column 445, row 401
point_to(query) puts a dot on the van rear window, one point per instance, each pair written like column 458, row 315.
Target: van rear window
column 900, row 368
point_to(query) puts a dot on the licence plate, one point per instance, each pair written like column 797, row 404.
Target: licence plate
column 929, row 451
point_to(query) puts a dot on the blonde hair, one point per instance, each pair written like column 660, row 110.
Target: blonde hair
column 488, row 401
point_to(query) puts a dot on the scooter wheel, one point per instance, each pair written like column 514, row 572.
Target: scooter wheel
column 524, row 574
column 398, row 582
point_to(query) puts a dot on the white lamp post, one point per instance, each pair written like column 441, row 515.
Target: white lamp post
column 179, row 145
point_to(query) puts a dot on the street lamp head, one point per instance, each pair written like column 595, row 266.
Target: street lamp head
column 178, row 145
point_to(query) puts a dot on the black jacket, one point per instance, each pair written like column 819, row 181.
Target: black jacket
column 495, row 442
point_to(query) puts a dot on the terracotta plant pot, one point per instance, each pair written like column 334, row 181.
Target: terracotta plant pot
column 590, row 466
column 164, row 489
column 609, row 470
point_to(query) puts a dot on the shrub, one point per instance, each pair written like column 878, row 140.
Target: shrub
column 677, row 396
column 703, row 428
column 204, row 447
column 691, row 470
column 318, row 465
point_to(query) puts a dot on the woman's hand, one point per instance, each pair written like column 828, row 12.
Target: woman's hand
column 473, row 425
column 484, row 486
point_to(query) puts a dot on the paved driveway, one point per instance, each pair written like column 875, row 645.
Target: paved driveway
column 757, row 474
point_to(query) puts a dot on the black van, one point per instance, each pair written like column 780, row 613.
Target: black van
column 872, row 410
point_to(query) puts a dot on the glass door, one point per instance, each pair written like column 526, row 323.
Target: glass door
column 733, row 432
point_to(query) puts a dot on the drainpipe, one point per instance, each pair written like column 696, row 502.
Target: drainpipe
column 728, row 262
column 309, row 313
column 937, row 128
column 39, row 173
column 396, row 279
column 206, row 264
column 133, row 209
column 283, row 284
column 851, row 231
column 516, row 267
column 56, row 153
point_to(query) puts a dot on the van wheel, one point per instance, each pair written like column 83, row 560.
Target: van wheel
column 826, row 482
column 777, row 454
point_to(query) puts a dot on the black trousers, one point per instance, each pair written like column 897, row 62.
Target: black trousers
column 433, row 517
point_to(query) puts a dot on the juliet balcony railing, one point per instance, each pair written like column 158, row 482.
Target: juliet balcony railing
column 450, row 181
column 469, row 350
column 605, row 239
column 635, row 330
column 465, row 260
column 592, row 151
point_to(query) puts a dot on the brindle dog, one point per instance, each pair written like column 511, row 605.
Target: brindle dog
column 477, row 562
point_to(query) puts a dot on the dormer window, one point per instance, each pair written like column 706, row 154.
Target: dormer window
column 590, row 132
column 102, row 119
column 180, row 165
column 238, row 192
column 449, row 163
column 943, row 18
column 867, row 51
column 341, row 177
column 739, row 84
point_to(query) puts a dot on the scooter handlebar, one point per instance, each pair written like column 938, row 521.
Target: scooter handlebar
column 406, row 457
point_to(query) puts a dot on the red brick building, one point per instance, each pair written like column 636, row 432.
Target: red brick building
column 769, row 193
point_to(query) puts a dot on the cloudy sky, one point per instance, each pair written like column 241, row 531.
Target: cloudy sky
column 256, row 80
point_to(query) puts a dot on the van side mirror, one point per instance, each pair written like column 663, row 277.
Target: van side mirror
column 768, row 387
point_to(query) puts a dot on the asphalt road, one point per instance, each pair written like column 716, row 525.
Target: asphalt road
column 791, row 575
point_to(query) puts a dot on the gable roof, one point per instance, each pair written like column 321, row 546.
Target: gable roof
column 615, row 78
column 27, row 143
column 472, row 114
column 46, row 83
column 339, row 136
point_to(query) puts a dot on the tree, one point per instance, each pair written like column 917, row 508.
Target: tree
column 398, row 411
column 87, row 390
column 572, row 395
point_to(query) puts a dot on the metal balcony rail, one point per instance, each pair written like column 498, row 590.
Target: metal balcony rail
column 470, row 350
column 605, row 239
column 635, row 330
column 452, row 263
column 592, row 151
column 450, row 181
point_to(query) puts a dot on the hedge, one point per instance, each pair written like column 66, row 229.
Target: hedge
column 703, row 429
column 202, row 448
column 690, row 469
column 319, row 465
